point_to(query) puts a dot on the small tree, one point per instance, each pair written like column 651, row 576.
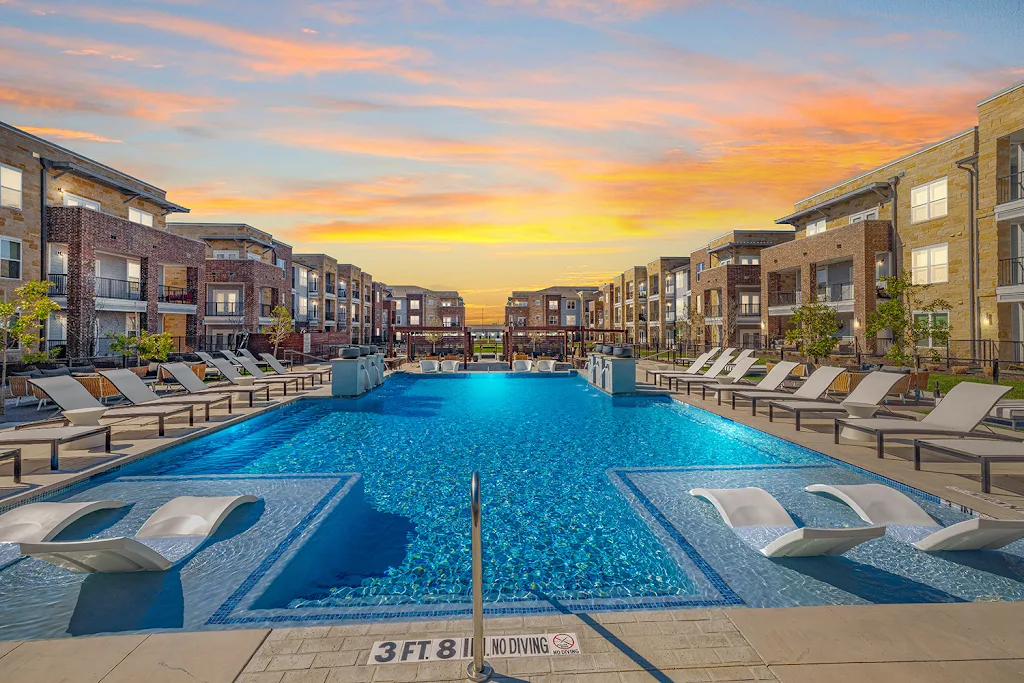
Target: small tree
column 22, row 318
column 690, row 324
column 814, row 330
column 154, row 346
column 280, row 327
column 897, row 314
column 434, row 338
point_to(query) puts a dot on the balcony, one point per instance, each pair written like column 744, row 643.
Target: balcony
column 751, row 310
column 785, row 298
column 835, row 292
column 224, row 308
column 175, row 295
column 1010, row 188
column 329, row 289
column 313, row 288
column 328, row 316
column 107, row 288
column 58, row 284
column 342, row 293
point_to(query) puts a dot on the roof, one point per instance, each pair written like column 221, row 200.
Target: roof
column 820, row 207
column 121, row 186
column 1004, row 91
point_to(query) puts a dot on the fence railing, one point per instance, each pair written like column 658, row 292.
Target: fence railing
column 175, row 295
column 835, row 292
column 225, row 308
column 784, row 298
column 1011, row 271
column 58, row 284
column 750, row 309
column 1010, row 187
column 108, row 288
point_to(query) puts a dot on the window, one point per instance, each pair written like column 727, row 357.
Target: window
column 75, row 200
column 414, row 320
column 930, row 264
column 253, row 257
column 883, row 264
column 10, row 187
column 750, row 260
column 553, row 320
column 414, row 304
column 871, row 215
column 936, row 321
column 553, row 305
column 398, row 305
column 570, row 305
column 570, row 320
column 222, row 254
column 928, row 201
column 140, row 217
column 814, row 227
column 10, row 258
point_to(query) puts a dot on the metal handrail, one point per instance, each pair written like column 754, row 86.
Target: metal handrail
column 477, row 669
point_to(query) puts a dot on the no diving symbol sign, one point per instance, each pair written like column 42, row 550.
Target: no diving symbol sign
column 442, row 649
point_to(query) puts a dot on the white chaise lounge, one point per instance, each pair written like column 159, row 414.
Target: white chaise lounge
column 429, row 366
column 449, row 366
column 698, row 364
column 738, row 372
column 546, row 365
column 522, row 365
column 723, row 359
column 812, row 389
column 172, row 533
column 762, row 523
column 37, row 522
column 135, row 390
column 770, row 382
column 983, row 451
column 184, row 376
column 907, row 521
column 958, row 414
column 278, row 367
column 716, row 369
column 232, row 375
column 281, row 380
column 54, row 437
column 246, row 353
column 871, row 391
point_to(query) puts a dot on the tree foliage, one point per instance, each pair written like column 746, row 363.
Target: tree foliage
column 815, row 329
column 280, row 326
column 144, row 345
column 21, row 319
column 897, row 314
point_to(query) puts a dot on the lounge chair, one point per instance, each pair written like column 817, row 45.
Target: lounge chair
column 812, row 389
column 246, row 353
column 522, row 365
column 739, row 370
column 231, row 356
column 757, row 517
column 278, row 367
column 770, row 382
column 449, row 366
column 312, row 375
column 260, row 377
column 872, row 390
column 907, row 521
column 429, row 366
column 694, row 367
column 136, row 391
column 54, row 437
column 984, row 451
column 68, row 394
column 958, row 414
column 716, row 369
column 546, row 365
column 184, row 376
column 37, row 522
column 172, row 533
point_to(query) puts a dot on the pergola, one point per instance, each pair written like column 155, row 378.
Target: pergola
column 563, row 331
column 460, row 333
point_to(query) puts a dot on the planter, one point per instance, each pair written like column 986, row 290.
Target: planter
column 623, row 352
column 350, row 353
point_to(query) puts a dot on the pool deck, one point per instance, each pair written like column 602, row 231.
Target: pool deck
column 937, row 643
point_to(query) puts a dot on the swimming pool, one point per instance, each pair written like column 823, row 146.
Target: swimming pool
column 585, row 506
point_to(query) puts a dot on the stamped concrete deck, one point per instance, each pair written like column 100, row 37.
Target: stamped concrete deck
column 939, row 643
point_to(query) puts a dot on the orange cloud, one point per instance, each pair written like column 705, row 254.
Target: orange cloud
column 64, row 134
column 100, row 98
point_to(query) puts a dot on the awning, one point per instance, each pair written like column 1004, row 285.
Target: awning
column 129, row 191
column 730, row 245
column 821, row 207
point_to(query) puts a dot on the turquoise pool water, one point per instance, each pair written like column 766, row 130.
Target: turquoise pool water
column 364, row 513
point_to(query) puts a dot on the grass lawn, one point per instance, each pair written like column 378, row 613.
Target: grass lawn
column 487, row 347
column 947, row 382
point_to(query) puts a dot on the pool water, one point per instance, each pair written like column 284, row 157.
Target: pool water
column 554, row 524
column 364, row 513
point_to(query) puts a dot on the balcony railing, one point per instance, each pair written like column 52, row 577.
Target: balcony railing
column 118, row 289
column 750, row 309
column 175, row 295
column 1011, row 271
column 329, row 288
column 835, row 292
column 1010, row 188
column 342, row 293
column 451, row 323
column 313, row 287
column 58, row 284
column 328, row 315
column 266, row 310
column 227, row 308
column 785, row 298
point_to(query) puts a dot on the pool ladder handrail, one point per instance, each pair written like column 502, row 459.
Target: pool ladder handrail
column 477, row 669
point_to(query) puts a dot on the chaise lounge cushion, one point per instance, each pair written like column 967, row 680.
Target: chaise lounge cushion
column 56, row 372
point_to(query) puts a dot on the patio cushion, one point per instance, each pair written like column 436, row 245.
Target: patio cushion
column 56, row 372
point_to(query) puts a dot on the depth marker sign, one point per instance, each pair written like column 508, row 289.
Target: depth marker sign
column 444, row 649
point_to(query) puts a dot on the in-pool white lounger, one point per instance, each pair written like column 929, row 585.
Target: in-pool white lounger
column 907, row 521
column 762, row 523
column 38, row 522
column 171, row 534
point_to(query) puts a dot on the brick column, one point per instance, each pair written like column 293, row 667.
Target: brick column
column 81, row 287
column 149, row 288
column 194, row 282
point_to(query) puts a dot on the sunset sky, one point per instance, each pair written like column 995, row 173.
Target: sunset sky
column 491, row 145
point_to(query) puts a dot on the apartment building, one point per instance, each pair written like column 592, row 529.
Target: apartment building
column 315, row 301
column 98, row 235
column 661, row 298
column 950, row 214
column 248, row 274
column 553, row 307
column 413, row 306
column 725, row 287
column 676, row 331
